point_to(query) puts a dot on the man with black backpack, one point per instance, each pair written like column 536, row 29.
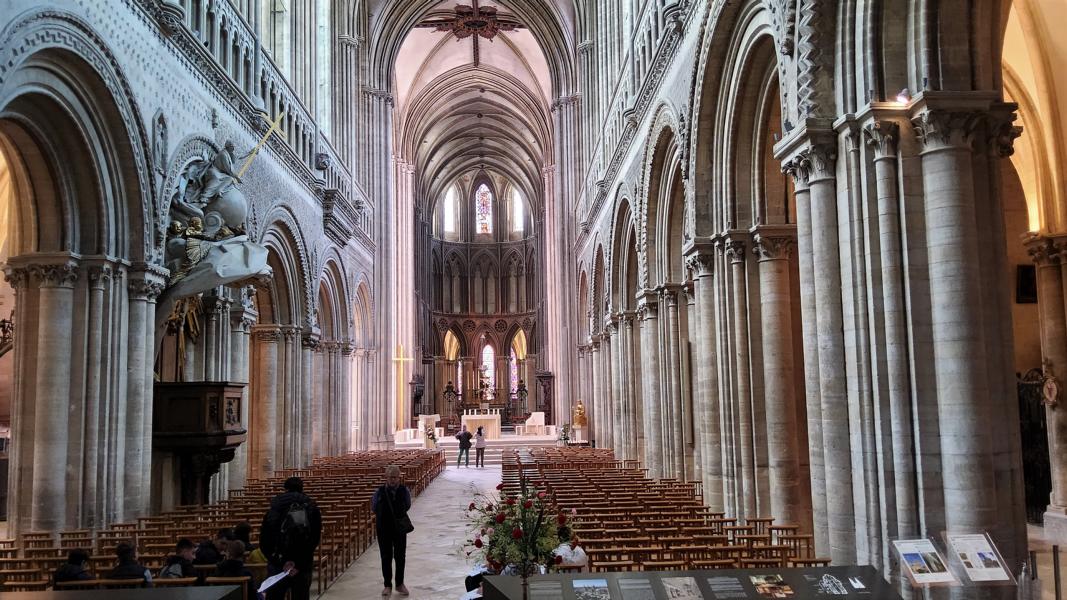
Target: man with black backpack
column 291, row 532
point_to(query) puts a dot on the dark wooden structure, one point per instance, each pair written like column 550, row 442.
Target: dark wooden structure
column 200, row 422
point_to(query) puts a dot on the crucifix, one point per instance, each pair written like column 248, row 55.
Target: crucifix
column 474, row 21
column 275, row 126
column 400, row 359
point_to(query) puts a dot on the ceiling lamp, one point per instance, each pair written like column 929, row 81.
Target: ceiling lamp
column 471, row 20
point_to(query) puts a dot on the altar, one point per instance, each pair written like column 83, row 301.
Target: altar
column 489, row 421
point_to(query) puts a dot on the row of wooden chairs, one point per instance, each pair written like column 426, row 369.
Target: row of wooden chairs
column 626, row 521
column 341, row 486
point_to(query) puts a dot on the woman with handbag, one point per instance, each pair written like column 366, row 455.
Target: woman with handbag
column 390, row 505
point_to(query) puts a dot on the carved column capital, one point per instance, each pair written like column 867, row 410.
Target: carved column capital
column 700, row 258
column 799, row 168
column 62, row 275
column 647, row 305
column 1001, row 131
column 882, row 135
column 774, row 242
column 822, row 161
column 100, row 276
column 939, row 129
column 732, row 245
column 271, row 334
column 1044, row 251
column 348, row 349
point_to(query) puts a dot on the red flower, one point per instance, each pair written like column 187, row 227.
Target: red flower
column 500, row 517
column 511, row 501
column 471, row 507
column 561, row 519
column 559, row 559
column 516, row 533
column 541, row 495
column 478, row 543
column 488, row 507
column 500, row 485
column 528, row 504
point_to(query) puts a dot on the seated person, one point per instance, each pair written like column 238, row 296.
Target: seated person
column 234, row 566
column 180, row 564
column 211, row 552
column 128, row 567
column 243, row 532
column 75, row 569
column 572, row 554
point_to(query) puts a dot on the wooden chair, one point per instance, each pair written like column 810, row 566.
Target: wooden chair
column 810, row 562
column 169, row 582
column 116, row 584
column 86, row 584
column 243, row 582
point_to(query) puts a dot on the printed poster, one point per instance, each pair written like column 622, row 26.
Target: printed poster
column 681, row 588
column 636, row 589
column 923, row 563
column 727, row 588
column 591, row 589
column 771, row 586
column 978, row 557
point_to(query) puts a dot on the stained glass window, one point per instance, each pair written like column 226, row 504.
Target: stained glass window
column 516, row 212
column 514, row 371
column 450, row 210
column 488, row 357
column 483, row 201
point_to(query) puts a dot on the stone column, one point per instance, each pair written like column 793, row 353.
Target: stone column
column 648, row 308
column 242, row 318
column 95, row 409
column 289, row 399
column 309, row 342
column 735, row 248
column 675, row 438
column 348, row 350
column 52, row 386
column 773, row 246
column 265, row 413
column 701, row 261
column 620, row 437
column 631, row 377
column 959, row 347
column 144, row 288
column 799, row 168
column 607, row 370
column 598, row 389
column 882, row 136
column 1048, row 256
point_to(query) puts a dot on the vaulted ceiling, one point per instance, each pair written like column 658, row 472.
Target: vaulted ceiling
column 463, row 106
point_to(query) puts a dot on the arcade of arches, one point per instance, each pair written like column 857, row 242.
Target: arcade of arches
column 810, row 254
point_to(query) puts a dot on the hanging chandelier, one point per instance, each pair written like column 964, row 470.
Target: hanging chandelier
column 473, row 20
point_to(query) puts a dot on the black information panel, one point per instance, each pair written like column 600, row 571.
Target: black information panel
column 820, row 583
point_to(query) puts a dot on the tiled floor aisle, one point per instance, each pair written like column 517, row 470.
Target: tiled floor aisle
column 436, row 564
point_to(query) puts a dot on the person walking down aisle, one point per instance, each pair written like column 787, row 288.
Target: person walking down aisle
column 464, row 438
column 479, row 448
column 291, row 531
column 390, row 504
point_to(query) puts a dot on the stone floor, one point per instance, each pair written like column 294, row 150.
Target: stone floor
column 436, row 564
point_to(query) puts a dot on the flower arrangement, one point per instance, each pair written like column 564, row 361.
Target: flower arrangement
column 519, row 530
column 431, row 435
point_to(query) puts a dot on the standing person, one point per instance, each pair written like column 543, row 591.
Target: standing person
column 390, row 505
column 291, row 531
column 464, row 438
column 479, row 448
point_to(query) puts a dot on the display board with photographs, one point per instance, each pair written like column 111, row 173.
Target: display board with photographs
column 979, row 558
column 923, row 563
column 816, row 583
column 591, row 589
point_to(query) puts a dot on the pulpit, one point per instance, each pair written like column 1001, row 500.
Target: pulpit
column 200, row 422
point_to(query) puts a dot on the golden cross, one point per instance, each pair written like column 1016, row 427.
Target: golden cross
column 400, row 359
column 273, row 127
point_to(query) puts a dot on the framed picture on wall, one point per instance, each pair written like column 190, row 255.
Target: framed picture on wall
column 1026, row 284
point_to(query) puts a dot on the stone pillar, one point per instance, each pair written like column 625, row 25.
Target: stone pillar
column 799, row 168
column 620, row 436
column 773, row 246
column 289, row 399
column 648, row 308
column 701, row 261
column 347, row 391
column 675, row 438
column 607, row 385
column 631, row 377
column 959, row 347
column 598, row 390
column 1048, row 256
column 263, row 436
column 144, row 287
column 882, row 136
column 735, row 248
column 309, row 342
column 242, row 318
column 52, row 385
column 95, row 426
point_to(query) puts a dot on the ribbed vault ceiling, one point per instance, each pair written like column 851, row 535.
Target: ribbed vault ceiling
column 460, row 112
